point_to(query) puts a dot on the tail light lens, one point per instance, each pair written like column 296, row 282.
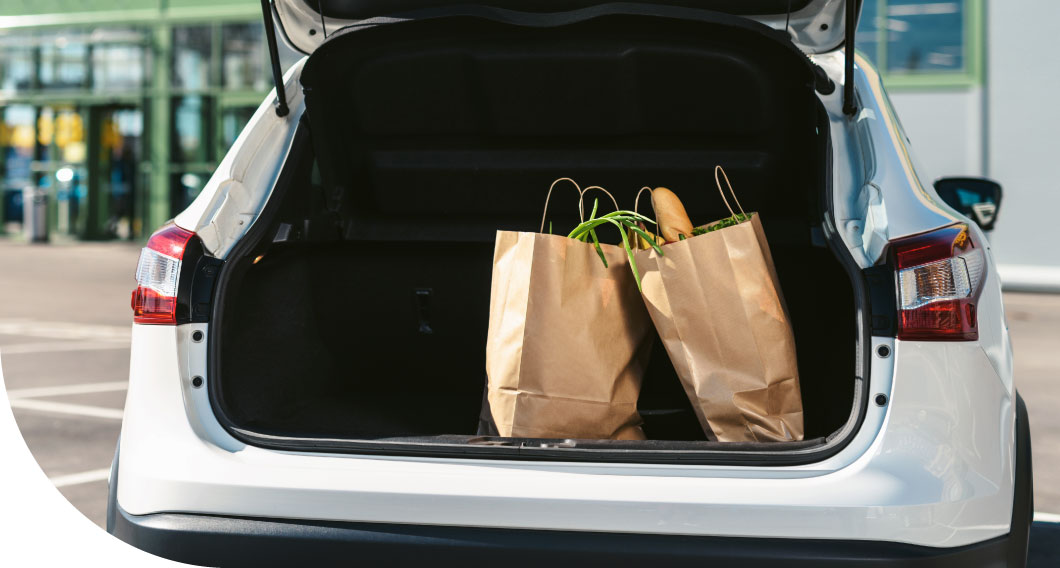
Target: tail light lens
column 939, row 278
column 157, row 274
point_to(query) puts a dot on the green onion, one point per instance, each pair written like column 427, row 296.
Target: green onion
column 727, row 222
column 621, row 219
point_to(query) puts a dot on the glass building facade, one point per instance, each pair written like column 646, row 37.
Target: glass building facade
column 120, row 112
column 923, row 43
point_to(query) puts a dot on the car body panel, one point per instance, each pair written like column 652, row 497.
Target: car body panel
column 876, row 174
column 920, row 479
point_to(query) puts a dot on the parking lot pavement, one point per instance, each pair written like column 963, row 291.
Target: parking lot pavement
column 1034, row 323
column 64, row 342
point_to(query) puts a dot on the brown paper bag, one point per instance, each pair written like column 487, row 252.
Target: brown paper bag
column 568, row 339
column 716, row 303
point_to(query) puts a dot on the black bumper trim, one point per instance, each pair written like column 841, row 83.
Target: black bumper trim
column 230, row 541
column 238, row 541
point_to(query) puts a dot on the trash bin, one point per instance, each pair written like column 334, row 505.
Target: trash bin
column 35, row 214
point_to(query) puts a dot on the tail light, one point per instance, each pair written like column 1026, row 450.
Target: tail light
column 155, row 299
column 939, row 279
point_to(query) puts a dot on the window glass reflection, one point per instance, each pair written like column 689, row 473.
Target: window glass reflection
column 191, row 57
column 243, row 56
column 925, row 36
column 117, row 67
column 121, row 133
column 191, row 117
column 63, row 61
column 920, row 36
column 119, row 59
column 867, row 37
column 16, row 62
column 59, row 163
column 18, row 138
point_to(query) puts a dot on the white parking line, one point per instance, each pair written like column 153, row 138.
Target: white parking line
column 66, row 408
column 79, row 478
column 23, row 348
column 1046, row 517
column 62, row 390
column 64, row 330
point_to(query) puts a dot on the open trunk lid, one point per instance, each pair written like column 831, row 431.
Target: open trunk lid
column 815, row 26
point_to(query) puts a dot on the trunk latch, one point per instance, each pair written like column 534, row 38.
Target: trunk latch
column 551, row 444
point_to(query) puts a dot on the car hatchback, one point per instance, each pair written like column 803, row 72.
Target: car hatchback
column 308, row 348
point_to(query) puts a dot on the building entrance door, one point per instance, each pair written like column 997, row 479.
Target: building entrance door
column 115, row 146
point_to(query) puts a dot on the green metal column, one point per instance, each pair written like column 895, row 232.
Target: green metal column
column 95, row 213
column 94, row 217
column 157, row 194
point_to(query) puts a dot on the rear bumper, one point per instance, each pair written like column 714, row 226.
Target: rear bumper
column 929, row 468
column 235, row 541
column 225, row 541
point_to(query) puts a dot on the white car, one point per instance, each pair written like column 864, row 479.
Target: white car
column 308, row 348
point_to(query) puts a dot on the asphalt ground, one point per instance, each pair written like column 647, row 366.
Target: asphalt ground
column 64, row 346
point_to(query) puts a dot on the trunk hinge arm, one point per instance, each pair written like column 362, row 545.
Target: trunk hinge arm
column 851, row 15
column 274, row 59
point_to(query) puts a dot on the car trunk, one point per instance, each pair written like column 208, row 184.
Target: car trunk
column 354, row 314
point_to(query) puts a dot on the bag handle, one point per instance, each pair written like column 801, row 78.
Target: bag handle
column 651, row 198
column 581, row 204
column 581, row 200
column 719, row 170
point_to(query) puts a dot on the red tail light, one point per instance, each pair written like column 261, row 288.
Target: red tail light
column 939, row 279
column 157, row 274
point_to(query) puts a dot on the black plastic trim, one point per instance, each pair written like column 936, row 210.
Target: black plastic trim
column 274, row 60
column 1023, row 489
column 236, row 541
column 523, row 450
column 884, row 304
column 850, row 105
column 198, row 273
column 112, row 491
column 863, row 306
column 821, row 81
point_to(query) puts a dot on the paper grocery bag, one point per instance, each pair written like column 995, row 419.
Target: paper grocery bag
column 568, row 340
column 717, row 305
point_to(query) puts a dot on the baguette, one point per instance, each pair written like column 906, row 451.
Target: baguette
column 670, row 215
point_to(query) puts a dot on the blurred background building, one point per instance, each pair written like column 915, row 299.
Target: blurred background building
column 974, row 83
column 120, row 109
